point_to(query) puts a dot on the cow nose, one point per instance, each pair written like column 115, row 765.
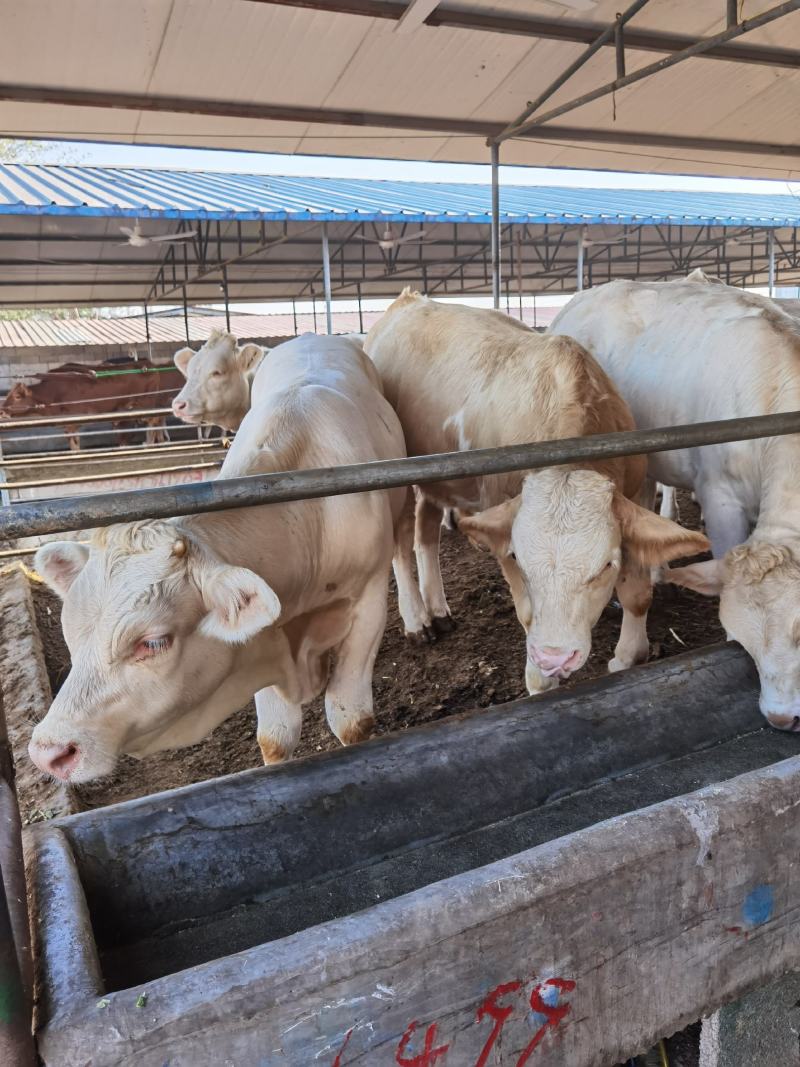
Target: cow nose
column 179, row 406
column 58, row 760
column 784, row 722
column 554, row 660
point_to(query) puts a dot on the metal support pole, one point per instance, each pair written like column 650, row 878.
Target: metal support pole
column 771, row 247
column 360, row 312
column 294, row 316
column 495, row 151
column 186, row 315
column 519, row 272
column 733, row 13
column 314, row 310
column 16, row 963
column 326, row 277
column 225, row 291
column 147, row 331
column 579, row 279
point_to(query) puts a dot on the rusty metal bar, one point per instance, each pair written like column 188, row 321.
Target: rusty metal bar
column 691, row 52
column 104, row 476
column 69, row 420
column 82, row 513
column 37, row 459
column 732, row 12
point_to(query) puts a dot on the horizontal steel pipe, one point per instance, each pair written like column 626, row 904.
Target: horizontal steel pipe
column 104, row 476
column 83, row 513
column 34, row 459
column 70, row 420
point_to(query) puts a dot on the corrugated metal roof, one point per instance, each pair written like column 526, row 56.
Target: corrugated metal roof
column 36, row 333
column 122, row 192
column 273, row 78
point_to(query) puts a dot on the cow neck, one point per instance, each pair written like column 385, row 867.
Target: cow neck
column 229, row 535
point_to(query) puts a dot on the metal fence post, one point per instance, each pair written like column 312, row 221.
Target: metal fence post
column 495, row 150
column 16, row 965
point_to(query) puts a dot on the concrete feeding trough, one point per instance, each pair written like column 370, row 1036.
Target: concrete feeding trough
column 560, row 880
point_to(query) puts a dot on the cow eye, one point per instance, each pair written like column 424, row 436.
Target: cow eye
column 216, row 374
column 152, row 646
column 603, row 572
column 512, row 555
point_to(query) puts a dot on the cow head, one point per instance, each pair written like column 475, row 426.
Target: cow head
column 758, row 584
column 162, row 638
column 570, row 534
column 19, row 400
column 217, row 389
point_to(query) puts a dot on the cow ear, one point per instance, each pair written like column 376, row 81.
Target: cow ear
column 239, row 603
column 492, row 528
column 248, row 355
column 60, row 563
column 650, row 540
column 706, row 578
column 182, row 359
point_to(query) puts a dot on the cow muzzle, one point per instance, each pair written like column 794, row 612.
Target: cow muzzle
column 59, row 760
column 555, row 662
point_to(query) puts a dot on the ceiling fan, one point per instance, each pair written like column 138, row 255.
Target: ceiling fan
column 389, row 241
column 139, row 240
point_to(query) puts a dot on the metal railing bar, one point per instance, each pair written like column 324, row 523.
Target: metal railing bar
column 87, row 512
column 73, row 420
column 40, row 483
column 36, row 460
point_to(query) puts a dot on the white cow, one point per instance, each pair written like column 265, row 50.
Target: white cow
column 219, row 377
column 693, row 350
column 565, row 537
column 173, row 625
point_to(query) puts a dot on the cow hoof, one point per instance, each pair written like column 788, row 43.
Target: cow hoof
column 443, row 624
column 419, row 638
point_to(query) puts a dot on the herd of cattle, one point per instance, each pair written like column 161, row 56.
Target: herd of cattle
column 103, row 389
column 174, row 625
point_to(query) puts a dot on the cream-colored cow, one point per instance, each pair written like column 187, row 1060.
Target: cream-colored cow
column 219, row 377
column 694, row 350
column 173, row 625
column 565, row 537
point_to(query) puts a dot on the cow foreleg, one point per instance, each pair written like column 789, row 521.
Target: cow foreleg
column 426, row 547
column 348, row 697
column 416, row 620
column 279, row 725
column 635, row 594
column 73, row 436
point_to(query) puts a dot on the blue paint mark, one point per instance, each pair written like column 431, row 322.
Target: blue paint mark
column 549, row 995
column 758, row 905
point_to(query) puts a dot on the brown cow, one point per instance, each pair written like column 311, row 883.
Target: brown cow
column 78, row 389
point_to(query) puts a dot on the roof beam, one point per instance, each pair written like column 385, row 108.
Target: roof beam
column 547, row 29
column 414, row 15
column 524, row 124
column 38, row 94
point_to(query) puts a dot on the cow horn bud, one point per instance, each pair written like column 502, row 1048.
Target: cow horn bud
column 179, row 548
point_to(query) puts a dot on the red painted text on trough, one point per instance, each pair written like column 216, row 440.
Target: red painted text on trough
column 496, row 1007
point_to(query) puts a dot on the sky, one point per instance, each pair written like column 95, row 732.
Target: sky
column 332, row 167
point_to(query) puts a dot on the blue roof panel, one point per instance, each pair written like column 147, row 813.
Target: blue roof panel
column 127, row 192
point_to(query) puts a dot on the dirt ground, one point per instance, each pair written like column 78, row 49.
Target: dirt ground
column 481, row 662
